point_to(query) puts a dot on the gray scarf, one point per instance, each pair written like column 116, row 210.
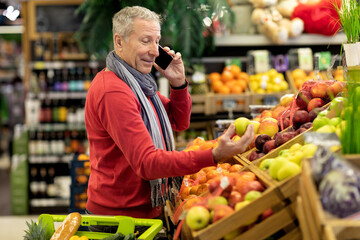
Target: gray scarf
column 144, row 85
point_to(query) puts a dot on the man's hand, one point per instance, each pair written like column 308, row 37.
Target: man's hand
column 175, row 72
column 227, row 148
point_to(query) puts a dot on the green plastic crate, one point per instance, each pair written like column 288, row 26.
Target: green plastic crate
column 126, row 225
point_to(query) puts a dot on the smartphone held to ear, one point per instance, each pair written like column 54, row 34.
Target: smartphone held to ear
column 164, row 59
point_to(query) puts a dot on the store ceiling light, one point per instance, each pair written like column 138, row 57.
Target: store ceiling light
column 11, row 13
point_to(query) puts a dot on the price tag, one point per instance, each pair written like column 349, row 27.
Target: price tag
column 305, row 59
column 229, row 103
column 281, row 63
column 271, row 100
column 261, row 58
column 324, row 60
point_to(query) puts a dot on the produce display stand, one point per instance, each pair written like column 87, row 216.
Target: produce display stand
column 126, row 225
column 317, row 223
column 276, row 196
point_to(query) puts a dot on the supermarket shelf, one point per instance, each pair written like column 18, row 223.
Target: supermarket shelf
column 17, row 29
column 262, row 40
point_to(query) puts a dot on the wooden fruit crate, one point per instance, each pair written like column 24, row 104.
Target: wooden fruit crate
column 200, row 103
column 274, row 153
column 217, row 102
column 283, row 218
column 320, row 224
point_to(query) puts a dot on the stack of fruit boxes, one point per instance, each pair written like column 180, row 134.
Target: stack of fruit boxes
column 276, row 196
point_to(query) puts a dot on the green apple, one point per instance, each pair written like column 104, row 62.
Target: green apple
column 326, row 129
column 323, row 113
column 241, row 124
column 295, row 147
column 309, row 150
column 284, row 152
column 252, row 195
column 240, row 205
column 335, row 121
column 256, row 125
column 197, row 217
column 289, row 169
column 265, row 164
column 296, row 157
column 319, row 122
column 216, row 200
column 232, row 235
column 275, row 165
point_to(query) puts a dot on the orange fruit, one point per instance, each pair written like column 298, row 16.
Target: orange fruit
column 226, row 76
column 230, row 84
column 214, row 76
column 216, row 85
column 236, row 89
column 244, row 76
column 224, row 90
column 298, row 73
column 242, row 83
column 235, row 70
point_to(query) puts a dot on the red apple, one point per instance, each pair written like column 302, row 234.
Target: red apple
column 302, row 99
column 216, row 188
column 315, row 103
column 319, row 90
column 268, row 146
column 221, row 211
column 246, row 186
column 261, row 140
column 266, row 214
column 300, row 117
column 234, row 198
column 335, row 88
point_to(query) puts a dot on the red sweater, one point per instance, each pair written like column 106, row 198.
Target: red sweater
column 123, row 157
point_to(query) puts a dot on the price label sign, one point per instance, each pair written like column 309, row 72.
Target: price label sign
column 271, row 100
column 261, row 58
column 305, row 59
column 229, row 103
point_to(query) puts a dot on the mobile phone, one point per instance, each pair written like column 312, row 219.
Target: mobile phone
column 164, row 59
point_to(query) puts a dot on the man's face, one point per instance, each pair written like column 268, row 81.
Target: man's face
column 141, row 47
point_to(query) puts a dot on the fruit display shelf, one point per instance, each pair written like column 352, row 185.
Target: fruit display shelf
column 218, row 103
column 315, row 222
column 283, row 221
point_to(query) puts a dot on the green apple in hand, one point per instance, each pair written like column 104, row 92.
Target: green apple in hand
column 197, row 217
column 241, row 124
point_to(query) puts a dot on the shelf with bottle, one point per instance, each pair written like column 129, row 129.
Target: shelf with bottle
column 49, row 185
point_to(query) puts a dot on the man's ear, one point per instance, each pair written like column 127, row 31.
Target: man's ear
column 118, row 41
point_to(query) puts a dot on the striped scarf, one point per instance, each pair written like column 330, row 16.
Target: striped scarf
column 144, row 86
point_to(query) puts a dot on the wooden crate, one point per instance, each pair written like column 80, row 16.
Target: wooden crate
column 322, row 225
column 283, row 218
column 274, row 153
column 216, row 102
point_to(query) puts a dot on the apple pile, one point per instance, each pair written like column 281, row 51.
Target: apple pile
column 227, row 194
column 288, row 162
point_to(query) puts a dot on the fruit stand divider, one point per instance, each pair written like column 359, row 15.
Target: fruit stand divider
column 320, row 224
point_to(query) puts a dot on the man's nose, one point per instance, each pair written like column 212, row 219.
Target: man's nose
column 154, row 49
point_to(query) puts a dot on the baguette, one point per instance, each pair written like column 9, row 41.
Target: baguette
column 68, row 227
